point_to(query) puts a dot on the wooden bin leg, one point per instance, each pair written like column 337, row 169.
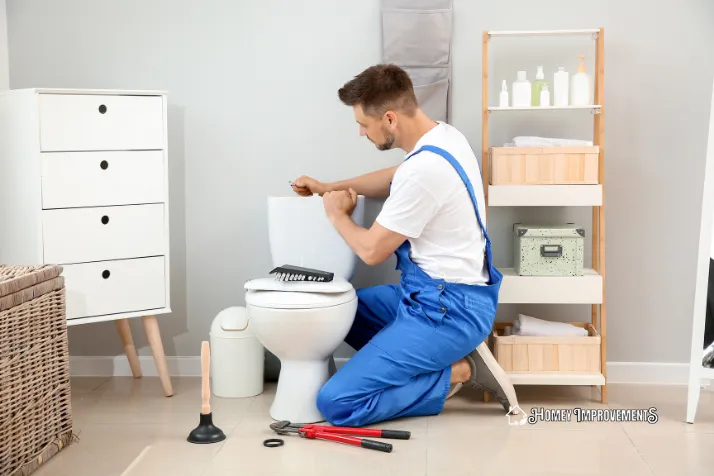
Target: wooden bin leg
column 151, row 327
column 129, row 348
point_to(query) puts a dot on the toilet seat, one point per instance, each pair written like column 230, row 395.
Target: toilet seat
column 272, row 294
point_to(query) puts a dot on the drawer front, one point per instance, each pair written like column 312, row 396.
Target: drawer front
column 111, row 287
column 100, row 122
column 78, row 235
column 93, row 179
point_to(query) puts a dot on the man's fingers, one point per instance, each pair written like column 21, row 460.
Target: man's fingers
column 303, row 191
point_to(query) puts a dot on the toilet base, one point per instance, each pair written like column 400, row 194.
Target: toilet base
column 296, row 395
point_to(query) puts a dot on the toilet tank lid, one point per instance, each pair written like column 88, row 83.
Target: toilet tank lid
column 337, row 285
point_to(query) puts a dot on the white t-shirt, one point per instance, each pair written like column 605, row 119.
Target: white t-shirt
column 429, row 203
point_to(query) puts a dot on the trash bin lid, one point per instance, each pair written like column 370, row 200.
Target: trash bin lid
column 232, row 323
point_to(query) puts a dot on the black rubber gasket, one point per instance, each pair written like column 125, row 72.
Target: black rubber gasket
column 273, row 442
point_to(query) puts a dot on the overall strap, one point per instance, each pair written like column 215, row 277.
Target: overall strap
column 464, row 178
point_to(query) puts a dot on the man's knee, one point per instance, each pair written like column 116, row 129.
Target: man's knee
column 332, row 403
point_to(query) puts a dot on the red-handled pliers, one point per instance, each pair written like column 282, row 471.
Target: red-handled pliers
column 336, row 433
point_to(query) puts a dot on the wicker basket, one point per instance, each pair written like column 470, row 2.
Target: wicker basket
column 35, row 403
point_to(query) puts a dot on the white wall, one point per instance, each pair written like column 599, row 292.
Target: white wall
column 252, row 89
column 4, row 69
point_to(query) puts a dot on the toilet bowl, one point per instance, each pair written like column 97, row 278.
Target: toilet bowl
column 302, row 323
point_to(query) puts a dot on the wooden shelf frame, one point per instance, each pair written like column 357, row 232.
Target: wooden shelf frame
column 548, row 196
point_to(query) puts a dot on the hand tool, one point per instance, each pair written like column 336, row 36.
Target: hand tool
column 205, row 432
column 375, row 432
column 289, row 272
column 337, row 433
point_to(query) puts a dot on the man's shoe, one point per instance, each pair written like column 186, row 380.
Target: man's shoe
column 487, row 375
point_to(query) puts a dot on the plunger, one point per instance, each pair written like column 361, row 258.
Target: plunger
column 206, row 432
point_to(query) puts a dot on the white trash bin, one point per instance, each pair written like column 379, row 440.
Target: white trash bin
column 237, row 356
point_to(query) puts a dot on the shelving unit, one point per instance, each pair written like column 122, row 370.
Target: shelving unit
column 586, row 289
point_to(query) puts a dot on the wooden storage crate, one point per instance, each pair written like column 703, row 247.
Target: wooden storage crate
column 35, row 400
column 556, row 354
column 544, row 165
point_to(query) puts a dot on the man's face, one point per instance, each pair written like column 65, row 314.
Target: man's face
column 379, row 131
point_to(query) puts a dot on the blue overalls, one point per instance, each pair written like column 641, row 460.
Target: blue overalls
column 408, row 336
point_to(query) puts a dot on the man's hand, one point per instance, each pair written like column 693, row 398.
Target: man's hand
column 338, row 203
column 307, row 186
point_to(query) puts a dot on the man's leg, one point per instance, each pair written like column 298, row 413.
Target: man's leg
column 376, row 309
column 396, row 374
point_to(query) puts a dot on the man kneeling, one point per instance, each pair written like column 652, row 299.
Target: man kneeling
column 417, row 342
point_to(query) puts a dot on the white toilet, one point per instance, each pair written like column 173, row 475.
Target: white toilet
column 302, row 323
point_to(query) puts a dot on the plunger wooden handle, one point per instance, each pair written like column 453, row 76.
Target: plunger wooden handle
column 205, row 366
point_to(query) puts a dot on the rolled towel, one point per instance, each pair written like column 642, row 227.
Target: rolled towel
column 533, row 141
column 531, row 326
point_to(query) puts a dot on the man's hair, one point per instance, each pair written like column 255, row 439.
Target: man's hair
column 379, row 89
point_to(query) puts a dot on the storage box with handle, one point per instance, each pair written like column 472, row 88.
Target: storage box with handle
column 560, row 165
column 548, row 250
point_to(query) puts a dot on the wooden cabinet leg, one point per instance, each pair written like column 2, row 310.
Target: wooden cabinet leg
column 129, row 348
column 151, row 327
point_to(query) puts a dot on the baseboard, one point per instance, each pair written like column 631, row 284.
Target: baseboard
column 119, row 366
column 617, row 372
column 659, row 373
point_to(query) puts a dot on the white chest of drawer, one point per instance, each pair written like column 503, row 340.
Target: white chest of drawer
column 84, row 184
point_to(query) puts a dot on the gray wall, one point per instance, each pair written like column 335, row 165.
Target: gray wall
column 4, row 70
column 253, row 104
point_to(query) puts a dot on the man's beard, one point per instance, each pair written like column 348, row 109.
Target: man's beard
column 388, row 142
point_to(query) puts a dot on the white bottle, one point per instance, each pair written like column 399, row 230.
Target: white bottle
column 503, row 99
column 544, row 96
column 561, row 81
column 521, row 91
column 580, row 86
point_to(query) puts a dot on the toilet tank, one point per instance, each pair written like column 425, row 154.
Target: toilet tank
column 301, row 234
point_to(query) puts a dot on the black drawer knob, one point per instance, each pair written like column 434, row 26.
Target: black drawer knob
column 102, row 109
column 105, row 219
column 105, row 274
column 104, row 164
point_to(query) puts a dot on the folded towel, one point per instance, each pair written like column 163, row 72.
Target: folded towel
column 531, row 141
column 531, row 326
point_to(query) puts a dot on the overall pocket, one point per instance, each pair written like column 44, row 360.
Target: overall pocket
column 431, row 303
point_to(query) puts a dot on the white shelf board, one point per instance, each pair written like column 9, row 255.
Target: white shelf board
column 527, row 378
column 586, row 289
column 511, row 33
column 545, row 108
column 544, row 195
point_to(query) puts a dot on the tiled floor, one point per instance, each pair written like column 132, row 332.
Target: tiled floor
column 127, row 427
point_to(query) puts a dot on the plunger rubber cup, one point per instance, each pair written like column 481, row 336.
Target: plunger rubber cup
column 206, row 432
